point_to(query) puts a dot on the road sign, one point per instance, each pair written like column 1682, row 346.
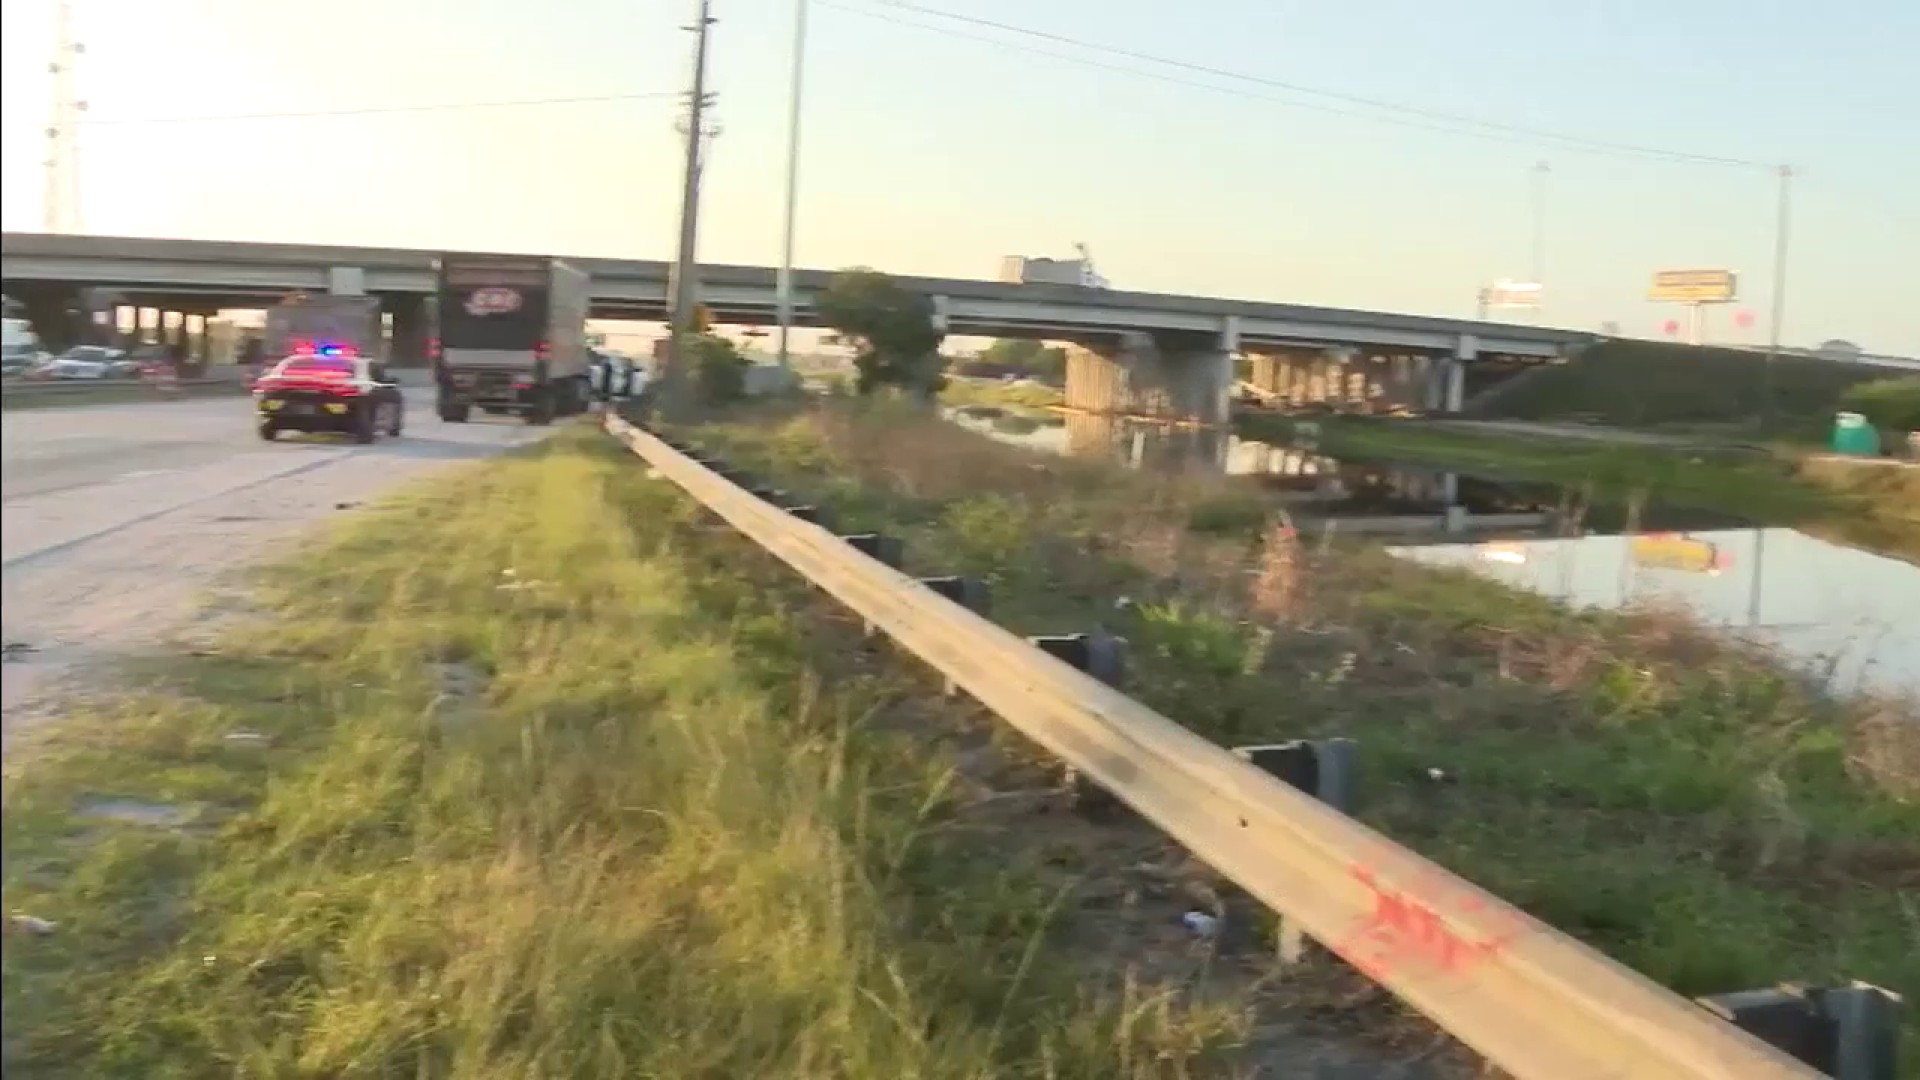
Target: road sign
column 1693, row 287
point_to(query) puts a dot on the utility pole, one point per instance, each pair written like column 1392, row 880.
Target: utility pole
column 1777, row 317
column 784, row 286
column 60, row 202
column 683, row 287
column 1539, row 270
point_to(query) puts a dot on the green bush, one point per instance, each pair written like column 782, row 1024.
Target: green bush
column 718, row 369
column 1892, row 405
column 1645, row 383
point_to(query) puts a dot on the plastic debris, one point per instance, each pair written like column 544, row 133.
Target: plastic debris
column 1201, row 923
column 31, row 924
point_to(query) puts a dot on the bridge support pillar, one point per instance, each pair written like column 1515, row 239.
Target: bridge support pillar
column 407, row 341
column 1450, row 384
column 57, row 314
column 1171, row 376
column 1456, row 385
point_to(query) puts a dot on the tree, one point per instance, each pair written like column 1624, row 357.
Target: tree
column 1023, row 357
column 891, row 330
column 719, row 371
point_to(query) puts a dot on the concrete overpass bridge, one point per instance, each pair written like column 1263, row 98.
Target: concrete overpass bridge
column 1141, row 353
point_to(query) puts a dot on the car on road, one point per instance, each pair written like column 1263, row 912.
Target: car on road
column 328, row 390
column 87, row 362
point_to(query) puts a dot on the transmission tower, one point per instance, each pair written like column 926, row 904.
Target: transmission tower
column 60, row 204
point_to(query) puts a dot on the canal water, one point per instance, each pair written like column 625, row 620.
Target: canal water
column 1846, row 616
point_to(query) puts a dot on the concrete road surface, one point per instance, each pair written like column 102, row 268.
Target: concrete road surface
column 118, row 517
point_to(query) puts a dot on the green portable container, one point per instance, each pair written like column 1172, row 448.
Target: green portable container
column 1853, row 435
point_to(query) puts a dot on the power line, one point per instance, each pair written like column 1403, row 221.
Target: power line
column 1387, row 111
column 385, row 110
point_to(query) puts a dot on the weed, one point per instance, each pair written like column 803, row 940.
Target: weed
column 1671, row 798
column 541, row 779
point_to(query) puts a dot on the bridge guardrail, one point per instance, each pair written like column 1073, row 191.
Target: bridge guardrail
column 1530, row 999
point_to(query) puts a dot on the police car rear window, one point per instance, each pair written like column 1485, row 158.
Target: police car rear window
column 319, row 365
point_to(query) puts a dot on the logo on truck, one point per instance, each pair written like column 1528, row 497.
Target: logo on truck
column 493, row 301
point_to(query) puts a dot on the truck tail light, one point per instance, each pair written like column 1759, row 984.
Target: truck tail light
column 433, row 348
column 541, row 349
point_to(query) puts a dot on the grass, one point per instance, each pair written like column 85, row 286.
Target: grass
column 1022, row 395
column 532, row 773
column 1865, row 512
column 1682, row 804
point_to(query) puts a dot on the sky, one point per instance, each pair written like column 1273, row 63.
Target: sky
column 936, row 146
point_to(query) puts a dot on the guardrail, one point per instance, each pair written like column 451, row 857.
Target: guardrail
column 1530, row 999
column 56, row 387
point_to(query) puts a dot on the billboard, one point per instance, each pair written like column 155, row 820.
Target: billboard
column 1511, row 294
column 1693, row 286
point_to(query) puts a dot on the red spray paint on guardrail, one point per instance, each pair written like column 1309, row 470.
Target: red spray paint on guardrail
column 1407, row 927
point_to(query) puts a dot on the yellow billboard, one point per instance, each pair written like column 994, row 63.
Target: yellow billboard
column 1694, row 287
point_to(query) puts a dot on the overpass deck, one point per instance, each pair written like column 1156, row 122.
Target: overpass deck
column 745, row 294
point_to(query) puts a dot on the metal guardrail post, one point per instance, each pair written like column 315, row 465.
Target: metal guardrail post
column 1848, row 1032
column 877, row 546
column 1325, row 769
column 1104, row 657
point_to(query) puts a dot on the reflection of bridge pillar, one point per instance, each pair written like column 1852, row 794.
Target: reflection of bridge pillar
column 407, row 345
column 1092, row 434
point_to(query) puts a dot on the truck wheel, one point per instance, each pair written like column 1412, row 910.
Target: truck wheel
column 453, row 412
column 366, row 424
column 540, row 409
column 396, row 417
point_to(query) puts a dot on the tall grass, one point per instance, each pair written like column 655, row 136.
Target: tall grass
column 524, row 775
column 1679, row 802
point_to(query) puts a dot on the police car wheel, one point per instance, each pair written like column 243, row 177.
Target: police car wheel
column 366, row 424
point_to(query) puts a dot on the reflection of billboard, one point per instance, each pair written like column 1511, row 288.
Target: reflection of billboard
column 1694, row 287
column 1677, row 551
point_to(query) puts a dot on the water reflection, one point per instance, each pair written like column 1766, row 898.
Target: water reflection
column 1844, row 613
column 1361, row 497
column 1838, row 612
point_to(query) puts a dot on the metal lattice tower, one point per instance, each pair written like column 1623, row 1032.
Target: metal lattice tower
column 60, row 205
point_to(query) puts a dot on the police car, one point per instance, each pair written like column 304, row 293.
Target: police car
column 328, row 388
